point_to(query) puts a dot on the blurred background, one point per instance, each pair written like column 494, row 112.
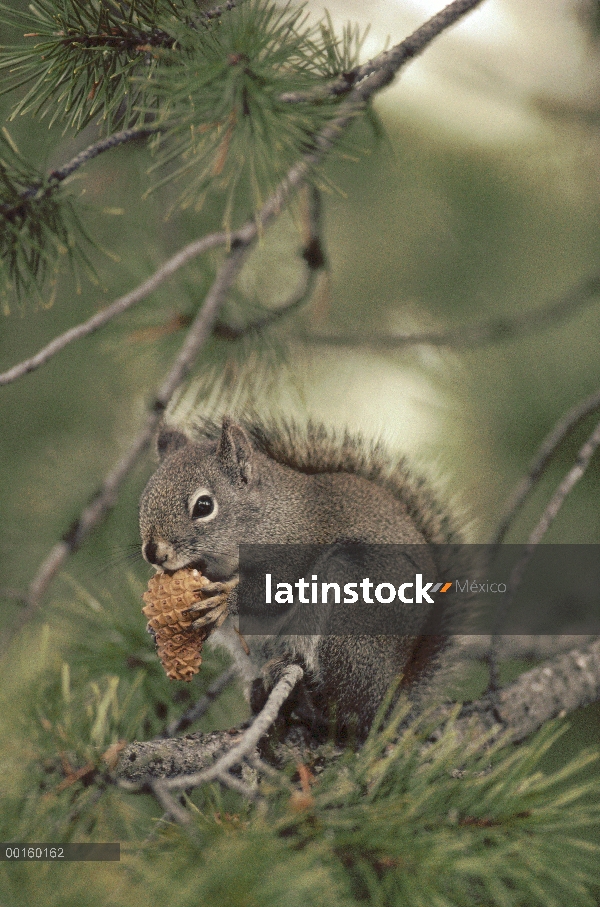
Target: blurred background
column 479, row 199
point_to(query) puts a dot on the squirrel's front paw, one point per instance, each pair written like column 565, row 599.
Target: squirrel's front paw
column 213, row 606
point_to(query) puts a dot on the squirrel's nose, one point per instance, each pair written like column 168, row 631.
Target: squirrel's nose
column 150, row 552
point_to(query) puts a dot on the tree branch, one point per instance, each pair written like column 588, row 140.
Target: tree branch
column 390, row 60
column 240, row 241
column 548, row 447
column 486, row 332
column 550, row 513
column 173, row 758
column 549, row 691
column 105, row 498
column 560, row 686
column 106, row 144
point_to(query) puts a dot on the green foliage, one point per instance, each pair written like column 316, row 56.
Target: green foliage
column 229, row 123
column 39, row 226
column 234, row 102
column 455, row 823
column 83, row 56
column 340, row 55
column 402, row 822
column 111, row 633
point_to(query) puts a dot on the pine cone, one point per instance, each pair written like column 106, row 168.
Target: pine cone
column 168, row 596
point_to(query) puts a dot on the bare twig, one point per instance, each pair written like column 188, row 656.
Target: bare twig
column 192, row 250
column 189, row 252
column 380, row 74
column 315, row 259
column 552, row 509
column 392, row 59
column 106, row 144
column 482, row 333
column 202, row 706
column 105, row 498
column 240, row 241
column 558, row 498
column 549, row 445
column 233, row 332
column 259, row 727
column 169, row 804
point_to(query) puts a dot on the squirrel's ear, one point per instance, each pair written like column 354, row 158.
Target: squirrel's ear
column 234, row 452
column 169, row 440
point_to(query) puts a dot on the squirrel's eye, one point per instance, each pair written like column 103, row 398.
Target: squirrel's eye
column 203, row 506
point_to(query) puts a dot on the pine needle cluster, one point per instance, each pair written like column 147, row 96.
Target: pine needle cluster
column 402, row 822
column 80, row 56
column 39, row 227
column 232, row 102
column 240, row 102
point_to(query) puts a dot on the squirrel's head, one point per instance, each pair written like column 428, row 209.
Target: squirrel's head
column 198, row 505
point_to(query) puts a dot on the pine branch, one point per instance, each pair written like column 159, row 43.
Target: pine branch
column 232, row 110
column 392, row 59
column 85, row 55
column 37, row 228
column 204, row 321
column 237, row 131
column 567, row 682
column 166, row 754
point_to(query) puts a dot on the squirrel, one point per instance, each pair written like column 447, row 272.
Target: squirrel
column 259, row 483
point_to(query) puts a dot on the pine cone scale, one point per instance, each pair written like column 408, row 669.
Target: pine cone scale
column 167, row 599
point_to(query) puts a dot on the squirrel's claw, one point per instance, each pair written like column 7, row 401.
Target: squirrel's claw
column 218, row 587
column 206, row 605
column 213, row 607
column 216, row 615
